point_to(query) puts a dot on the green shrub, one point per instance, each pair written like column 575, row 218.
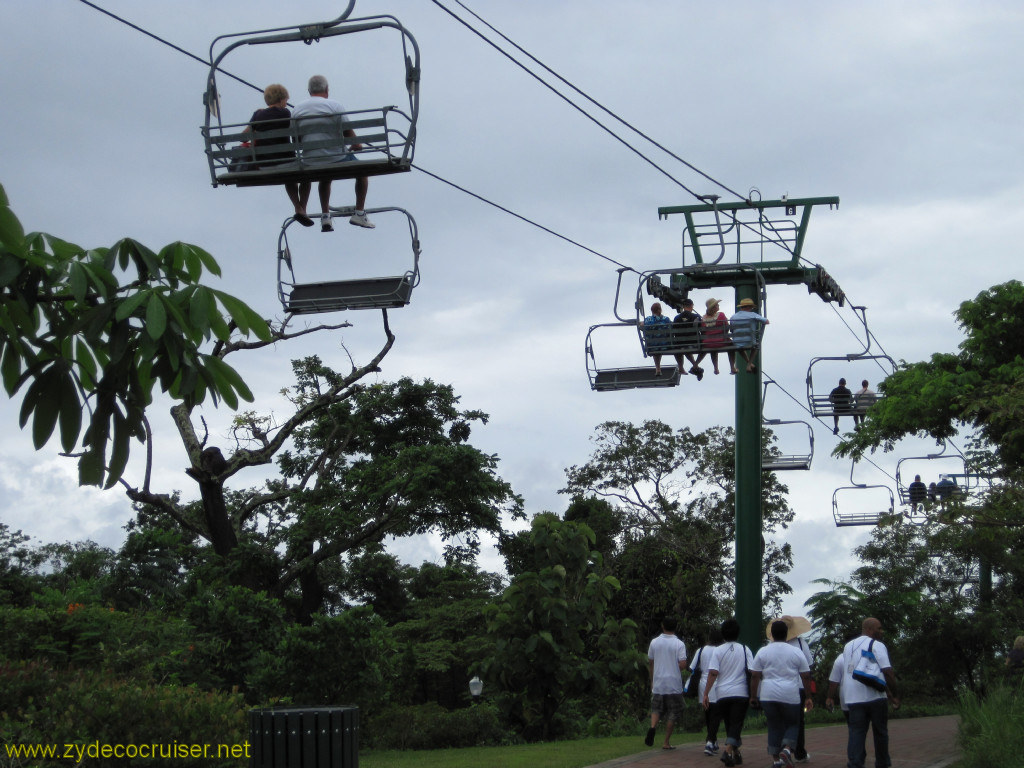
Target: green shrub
column 430, row 726
column 345, row 659
column 234, row 630
column 143, row 645
column 41, row 705
column 995, row 721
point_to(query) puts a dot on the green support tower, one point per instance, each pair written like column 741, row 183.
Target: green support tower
column 738, row 246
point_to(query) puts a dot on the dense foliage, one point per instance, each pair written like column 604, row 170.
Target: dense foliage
column 950, row 586
column 672, row 493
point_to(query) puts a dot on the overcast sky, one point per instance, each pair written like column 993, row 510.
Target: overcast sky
column 909, row 112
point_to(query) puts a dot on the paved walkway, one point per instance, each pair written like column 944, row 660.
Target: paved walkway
column 921, row 742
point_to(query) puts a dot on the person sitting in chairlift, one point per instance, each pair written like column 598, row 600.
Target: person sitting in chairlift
column 841, row 399
column 276, row 117
column 329, row 126
column 917, row 492
column 686, row 333
column 656, row 334
column 745, row 331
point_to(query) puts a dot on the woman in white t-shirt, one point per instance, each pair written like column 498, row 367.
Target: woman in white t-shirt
column 775, row 684
column 712, row 718
column 727, row 680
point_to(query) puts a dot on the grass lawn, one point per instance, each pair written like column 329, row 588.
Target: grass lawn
column 555, row 754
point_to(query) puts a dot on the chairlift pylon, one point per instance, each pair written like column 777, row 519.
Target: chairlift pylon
column 338, row 295
column 387, row 134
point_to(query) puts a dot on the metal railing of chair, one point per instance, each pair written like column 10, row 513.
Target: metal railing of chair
column 672, row 339
column 280, row 152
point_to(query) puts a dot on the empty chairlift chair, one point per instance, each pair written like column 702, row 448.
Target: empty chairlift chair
column 387, row 134
column 861, row 503
column 339, row 295
column 612, row 379
column 789, row 461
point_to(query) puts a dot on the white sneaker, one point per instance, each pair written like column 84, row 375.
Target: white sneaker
column 360, row 220
column 709, row 748
column 325, row 223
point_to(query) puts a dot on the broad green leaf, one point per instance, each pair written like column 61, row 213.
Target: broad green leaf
column 62, row 249
column 225, row 378
column 90, row 468
column 247, row 319
column 47, row 408
column 156, row 317
column 199, row 309
column 130, row 304
column 10, row 268
column 78, row 281
column 70, row 413
column 10, row 365
column 119, row 452
column 12, row 235
column 208, row 261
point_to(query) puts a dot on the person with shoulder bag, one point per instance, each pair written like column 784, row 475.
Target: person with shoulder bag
column 727, row 680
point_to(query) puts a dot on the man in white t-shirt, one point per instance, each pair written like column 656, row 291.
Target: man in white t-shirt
column 866, row 705
column 321, row 118
column 666, row 659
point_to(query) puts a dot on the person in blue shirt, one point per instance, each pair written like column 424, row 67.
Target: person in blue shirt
column 746, row 331
column 657, row 330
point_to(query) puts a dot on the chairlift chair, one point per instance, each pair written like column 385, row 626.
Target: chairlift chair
column 387, row 134
column 339, row 295
column 785, row 462
column 616, row 379
column 844, row 516
column 820, row 403
column 672, row 339
column 903, row 487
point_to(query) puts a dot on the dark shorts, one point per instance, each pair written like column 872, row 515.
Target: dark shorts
column 667, row 705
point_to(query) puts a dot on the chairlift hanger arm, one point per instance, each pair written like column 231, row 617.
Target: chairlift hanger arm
column 742, row 205
column 306, row 33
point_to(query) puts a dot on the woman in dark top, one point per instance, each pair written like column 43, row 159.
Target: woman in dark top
column 277, row 117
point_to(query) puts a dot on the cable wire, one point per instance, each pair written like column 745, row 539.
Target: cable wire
column 422, row 170
column 597, row 104
column 169, row 44
column 483, row 199
column 728, row 214
column 799, row 402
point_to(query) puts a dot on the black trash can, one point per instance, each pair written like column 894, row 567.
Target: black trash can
column 304, row 737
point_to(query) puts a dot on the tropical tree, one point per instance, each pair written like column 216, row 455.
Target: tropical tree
column 88, row 335
column 361, row 464
column 675, row 492
column 978, row 392
column 554, row 640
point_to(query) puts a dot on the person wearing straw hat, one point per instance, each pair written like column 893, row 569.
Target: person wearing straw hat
column 775, row 685
column 715, row 334
column 797, row 626
column 746, row 327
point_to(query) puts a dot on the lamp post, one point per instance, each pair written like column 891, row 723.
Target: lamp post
column 476, row 687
